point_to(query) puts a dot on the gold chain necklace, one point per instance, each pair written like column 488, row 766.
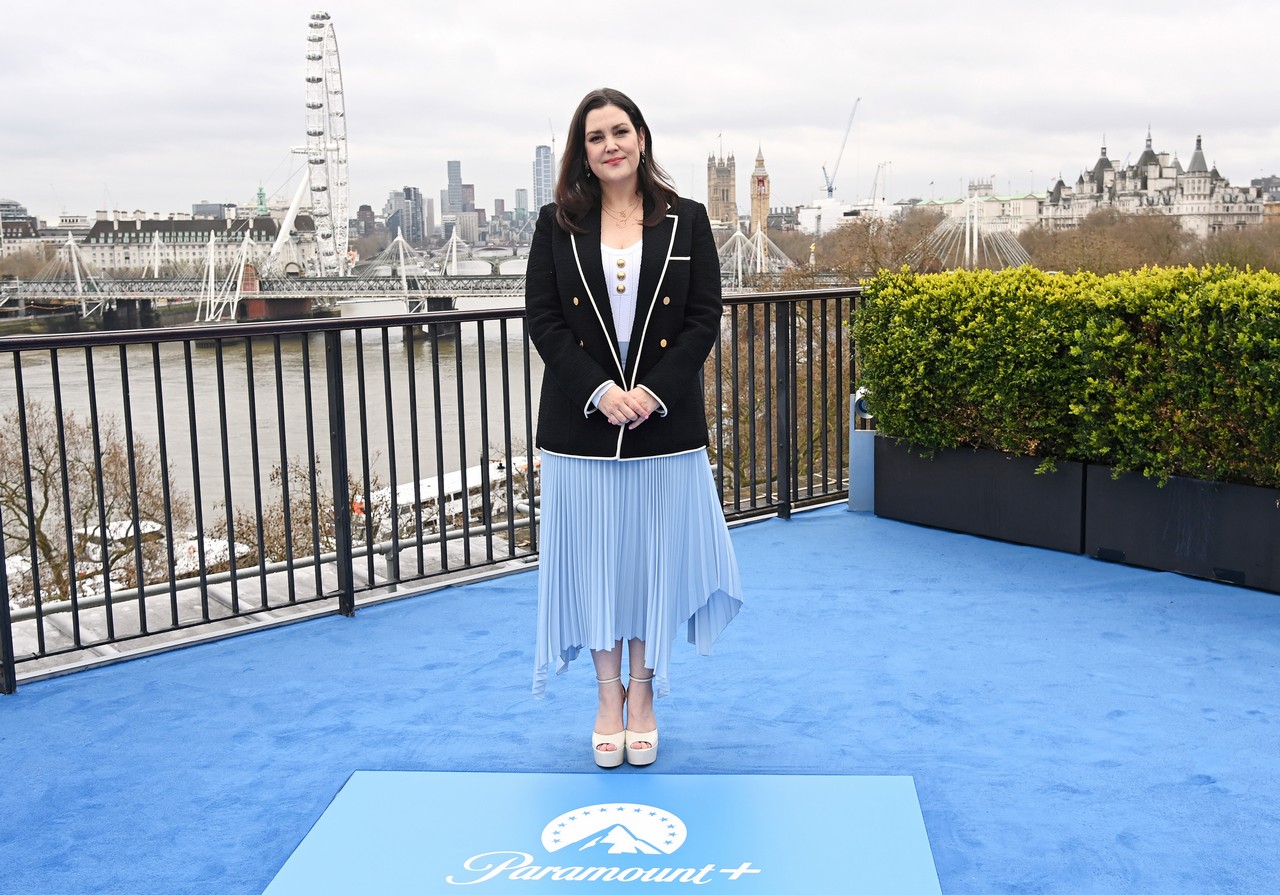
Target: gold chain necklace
column 621, row 218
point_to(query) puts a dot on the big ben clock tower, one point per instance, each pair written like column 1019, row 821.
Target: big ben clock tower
column 759, row 196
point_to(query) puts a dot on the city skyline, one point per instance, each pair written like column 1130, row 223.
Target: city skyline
column 997, row 91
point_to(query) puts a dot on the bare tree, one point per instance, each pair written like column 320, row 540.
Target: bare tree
column 745, row 445
column 69, row 480
column 24, row 265
column 794, row 244
column 368, row 247
column 297, row 521
column 1108, row 241
column 866, row 245
column 1257, row 248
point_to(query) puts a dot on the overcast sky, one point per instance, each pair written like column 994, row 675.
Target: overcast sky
column 156, row 105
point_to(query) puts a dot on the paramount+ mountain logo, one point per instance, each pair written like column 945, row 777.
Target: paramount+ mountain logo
column 617, row 828
column 611, row 842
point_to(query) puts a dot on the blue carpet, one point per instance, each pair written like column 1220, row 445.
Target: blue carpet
column 1072, row 726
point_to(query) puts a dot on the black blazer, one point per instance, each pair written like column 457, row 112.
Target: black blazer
column 677, row 322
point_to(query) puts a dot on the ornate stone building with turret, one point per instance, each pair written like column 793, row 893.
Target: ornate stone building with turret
column 722, row 191
column 1203, row 200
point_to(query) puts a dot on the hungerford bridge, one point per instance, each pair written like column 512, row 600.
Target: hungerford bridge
column 400, row 273
column 241, row 293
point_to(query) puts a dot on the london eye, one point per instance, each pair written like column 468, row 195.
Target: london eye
column 326, row 148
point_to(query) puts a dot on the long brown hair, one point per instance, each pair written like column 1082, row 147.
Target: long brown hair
column 577, row 195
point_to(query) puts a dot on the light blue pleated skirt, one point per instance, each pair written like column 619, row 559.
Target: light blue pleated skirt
column 631, row 549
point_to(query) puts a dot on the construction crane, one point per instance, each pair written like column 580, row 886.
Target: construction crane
column 875, row 182
column 831, row 181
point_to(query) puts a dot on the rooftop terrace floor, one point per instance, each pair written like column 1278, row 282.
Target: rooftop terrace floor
column 1072, row 726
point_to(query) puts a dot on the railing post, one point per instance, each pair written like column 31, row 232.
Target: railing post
column 8, row 665
column 338, row 464
column 782, row 401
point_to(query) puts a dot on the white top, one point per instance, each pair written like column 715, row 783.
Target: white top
column 622, row 273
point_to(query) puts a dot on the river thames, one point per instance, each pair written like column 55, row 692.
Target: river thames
column 460, row 421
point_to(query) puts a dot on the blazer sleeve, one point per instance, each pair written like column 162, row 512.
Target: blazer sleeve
column 573, row 368
column 682, row 362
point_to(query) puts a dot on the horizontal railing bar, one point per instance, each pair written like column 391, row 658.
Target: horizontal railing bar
column 255, row 329
column 793, row 295
column 246, row 329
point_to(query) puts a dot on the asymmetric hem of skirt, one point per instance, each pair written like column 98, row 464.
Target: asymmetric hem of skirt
column 704, row 629
column 631, row 551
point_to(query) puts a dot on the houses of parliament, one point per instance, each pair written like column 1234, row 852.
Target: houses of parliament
column 722, row 203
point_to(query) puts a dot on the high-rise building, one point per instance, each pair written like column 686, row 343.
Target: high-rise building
column 499, row 207
column 522, row 200
column 395, row 223
column 367, row 220
column 429, row 220
column 722, row 191
column 468, row 197
column 454, row 197
column 404, row 214
column 469, row 227
column 17, row 223
column 759, row 195
column 544, row 176
column 10, row 210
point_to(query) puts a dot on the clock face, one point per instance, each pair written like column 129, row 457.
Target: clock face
column 761, row 185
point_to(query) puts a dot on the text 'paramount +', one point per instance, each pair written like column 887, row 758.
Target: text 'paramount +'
column 515, row 865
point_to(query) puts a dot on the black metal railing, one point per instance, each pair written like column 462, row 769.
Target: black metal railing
column 163, row 484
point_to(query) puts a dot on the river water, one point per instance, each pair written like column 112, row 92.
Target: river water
column 459, row 423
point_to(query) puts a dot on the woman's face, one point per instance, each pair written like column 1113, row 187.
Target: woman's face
column 613, row 145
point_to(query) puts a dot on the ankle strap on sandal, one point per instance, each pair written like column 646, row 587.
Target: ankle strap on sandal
column 640, row 680
column 612, row 680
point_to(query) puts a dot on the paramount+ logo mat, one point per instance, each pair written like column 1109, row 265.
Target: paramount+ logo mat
column 415, row 832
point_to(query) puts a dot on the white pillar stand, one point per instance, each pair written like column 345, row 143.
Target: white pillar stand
column 862, row 455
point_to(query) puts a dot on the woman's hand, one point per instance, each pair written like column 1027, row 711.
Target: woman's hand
column 647, row 401
column 630, row 408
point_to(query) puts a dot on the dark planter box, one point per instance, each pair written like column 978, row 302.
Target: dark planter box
column 1207, row 529
column 985, row 493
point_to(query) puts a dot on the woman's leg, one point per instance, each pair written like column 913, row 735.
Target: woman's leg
column 611, row 695
column 640, row 715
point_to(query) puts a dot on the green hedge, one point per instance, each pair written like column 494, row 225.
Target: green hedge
column 1161, row 371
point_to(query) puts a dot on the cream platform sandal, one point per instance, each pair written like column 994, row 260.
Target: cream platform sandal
column 646, row 754
column 610, row 758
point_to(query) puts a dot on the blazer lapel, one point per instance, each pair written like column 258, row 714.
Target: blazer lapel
column 586, row 248
column 653, row 264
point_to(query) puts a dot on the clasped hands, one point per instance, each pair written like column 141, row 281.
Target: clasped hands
column 626, row 408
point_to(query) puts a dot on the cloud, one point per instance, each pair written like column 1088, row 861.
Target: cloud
column 156, row 106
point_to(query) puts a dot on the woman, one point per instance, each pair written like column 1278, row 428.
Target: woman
column 623, row 303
